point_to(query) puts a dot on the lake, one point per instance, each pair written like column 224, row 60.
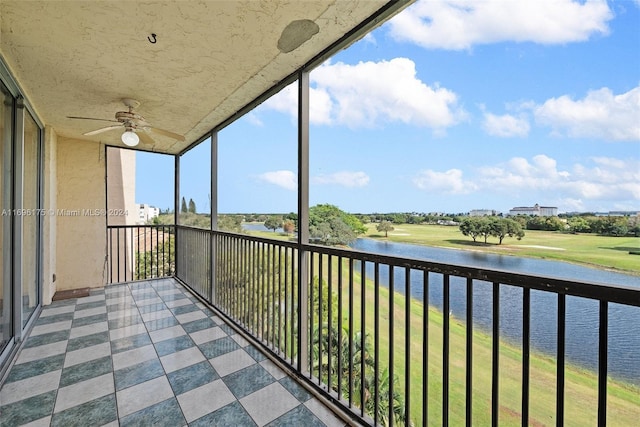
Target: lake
column 582, row 314
column 581, row 344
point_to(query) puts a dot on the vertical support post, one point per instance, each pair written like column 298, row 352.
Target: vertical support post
column 303, row 220
column 214, row 215
column 176, row 207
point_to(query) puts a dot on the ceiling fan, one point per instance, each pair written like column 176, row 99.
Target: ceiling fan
column 136, row 127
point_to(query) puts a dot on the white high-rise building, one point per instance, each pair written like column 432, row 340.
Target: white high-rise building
column 146, row 212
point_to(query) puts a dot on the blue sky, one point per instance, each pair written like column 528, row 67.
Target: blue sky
column 450, row 106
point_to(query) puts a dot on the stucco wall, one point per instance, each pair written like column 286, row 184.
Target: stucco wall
column 80, row 235
column 49, row 221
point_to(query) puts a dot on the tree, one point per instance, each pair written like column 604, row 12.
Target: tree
column 503, row 227
column 331, row 226
column 192, row 206
column 289, row 226
column 474, row 227
column 386, row 227
column 183, row 206
column 273, row 223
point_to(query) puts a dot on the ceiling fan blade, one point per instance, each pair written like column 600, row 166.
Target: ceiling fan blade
column 97, row 131
column 92, row 118
column 146, row 139
column 166, row 133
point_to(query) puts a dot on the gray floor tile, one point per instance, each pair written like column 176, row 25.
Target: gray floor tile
column 232, row 414
column 218, row 347
column 86, row 370
column 125, row 321
column 295, row 389
column 298, row 416
column 129, row 343
column 186, row 379
column 163, row 414
column 27, row 410
column 198, row 325
column 35, row 367
column 166, row 322
column 173, row 345
column 96, row 412
column 188, row 308
column 82, row 321
column 137, row 374
column 88, row 341
column 88, row 305
column 49, row 338
column 55, row 318
column 248, row 380
column 152, row 307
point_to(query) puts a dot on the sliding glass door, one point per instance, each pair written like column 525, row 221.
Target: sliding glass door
column 6, row 183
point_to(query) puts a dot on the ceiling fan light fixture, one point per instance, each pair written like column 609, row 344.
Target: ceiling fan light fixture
column 129, row 138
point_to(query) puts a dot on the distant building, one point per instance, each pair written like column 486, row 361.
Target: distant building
column 536, row 210
column 483, row 212
column 146, row 212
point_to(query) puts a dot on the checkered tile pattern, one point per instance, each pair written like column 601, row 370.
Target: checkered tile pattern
column 147, row 353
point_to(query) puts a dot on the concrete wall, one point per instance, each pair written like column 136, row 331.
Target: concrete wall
column 80, row 235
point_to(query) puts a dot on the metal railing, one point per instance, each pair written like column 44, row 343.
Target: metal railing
column 382, row 341
column 138, row 252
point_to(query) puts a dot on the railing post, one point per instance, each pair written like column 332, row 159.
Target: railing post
column 303, row 220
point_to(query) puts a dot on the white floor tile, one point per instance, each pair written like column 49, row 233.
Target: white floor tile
column 85, row 391
column 127, row 331
column 40, row 352
column 167, row 333
column 132, row 357
column 204, row 400
column 269, row 403
column 231, row 362
column 93, row 328
column 86, row 354
column 206, row 335
column 51, row 327
column 181, row 359
column 143, row 395
column 29, row 387
column 191, row 316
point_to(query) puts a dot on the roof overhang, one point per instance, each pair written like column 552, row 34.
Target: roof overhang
column 207, row 60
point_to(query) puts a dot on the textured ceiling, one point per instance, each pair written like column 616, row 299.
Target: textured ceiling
column 80, row 58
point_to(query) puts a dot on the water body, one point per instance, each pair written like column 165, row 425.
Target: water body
column 582, row 314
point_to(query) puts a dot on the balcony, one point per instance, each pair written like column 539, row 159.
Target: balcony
column 340, row 318
column 148, row 353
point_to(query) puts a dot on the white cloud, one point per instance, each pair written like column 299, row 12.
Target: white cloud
column 506, row 125
column 600, row 114
column 369, row 94
column 283, row 178
column 344, row 178
column 449, row 182
column 460, row 24
column 603, row 179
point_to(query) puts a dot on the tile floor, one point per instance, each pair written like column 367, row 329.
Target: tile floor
column 147, row 353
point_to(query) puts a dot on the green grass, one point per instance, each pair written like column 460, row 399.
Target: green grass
column 587, row 249
column 580, row 385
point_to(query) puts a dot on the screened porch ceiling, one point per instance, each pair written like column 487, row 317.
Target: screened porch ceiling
column 209, row 59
